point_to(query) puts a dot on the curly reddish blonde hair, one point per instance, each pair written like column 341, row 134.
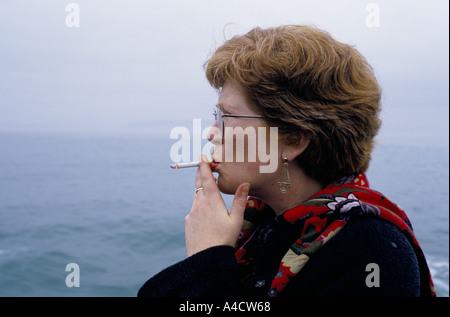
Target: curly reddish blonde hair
column 307, row 84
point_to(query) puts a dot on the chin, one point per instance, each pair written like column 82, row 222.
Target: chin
column 226, row 188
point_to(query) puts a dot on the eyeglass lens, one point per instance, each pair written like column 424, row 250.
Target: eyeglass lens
column 219, row 119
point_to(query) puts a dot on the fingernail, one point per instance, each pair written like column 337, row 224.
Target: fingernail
column 204, row 158
column 245, row 190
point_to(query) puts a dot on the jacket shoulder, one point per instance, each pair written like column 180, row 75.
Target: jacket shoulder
column 368, row 257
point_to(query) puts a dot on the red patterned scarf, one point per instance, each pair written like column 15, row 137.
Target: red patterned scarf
column 322, row 216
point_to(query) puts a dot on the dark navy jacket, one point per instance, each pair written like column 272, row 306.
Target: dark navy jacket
column 344, row 266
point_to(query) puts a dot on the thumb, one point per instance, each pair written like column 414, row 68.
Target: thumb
column 240, row 201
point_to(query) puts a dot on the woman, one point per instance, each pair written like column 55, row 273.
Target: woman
column 313, row 227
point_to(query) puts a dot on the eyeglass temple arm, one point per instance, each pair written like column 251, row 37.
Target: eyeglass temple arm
column 240, row 116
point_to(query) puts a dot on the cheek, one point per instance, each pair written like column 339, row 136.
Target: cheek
column 240, row 144
column 234, row 174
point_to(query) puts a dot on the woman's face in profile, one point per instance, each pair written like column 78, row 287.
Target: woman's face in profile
column 237, row 152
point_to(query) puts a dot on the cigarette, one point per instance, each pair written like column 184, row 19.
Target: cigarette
column 186, row 165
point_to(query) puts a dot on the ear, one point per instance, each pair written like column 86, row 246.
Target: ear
column 293, row 150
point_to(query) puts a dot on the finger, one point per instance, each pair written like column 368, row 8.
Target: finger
column 208, row 181
column 240, row 202
column 198, row 185
column 198, row 180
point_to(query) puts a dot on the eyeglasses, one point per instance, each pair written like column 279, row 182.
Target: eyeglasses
column 219, row 115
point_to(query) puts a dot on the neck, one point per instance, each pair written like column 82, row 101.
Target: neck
column 302, row 187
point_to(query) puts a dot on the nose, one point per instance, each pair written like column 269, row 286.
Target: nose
column 214, row 133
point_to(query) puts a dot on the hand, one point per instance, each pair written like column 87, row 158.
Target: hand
column 209, row 224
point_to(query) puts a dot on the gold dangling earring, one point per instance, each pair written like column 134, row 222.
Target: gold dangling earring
column 284, row 183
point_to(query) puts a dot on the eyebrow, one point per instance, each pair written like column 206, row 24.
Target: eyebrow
column 221, row 106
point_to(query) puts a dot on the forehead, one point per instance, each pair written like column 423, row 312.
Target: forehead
column 233, row 100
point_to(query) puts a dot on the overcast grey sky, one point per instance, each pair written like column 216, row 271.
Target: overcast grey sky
column 138, row 64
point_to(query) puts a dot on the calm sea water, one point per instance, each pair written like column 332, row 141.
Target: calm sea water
column 112, row 205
